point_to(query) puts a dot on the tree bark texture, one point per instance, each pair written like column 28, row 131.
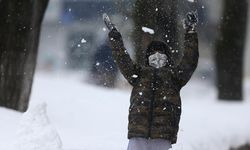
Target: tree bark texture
column 230, row 50
column 20, row 23
column 244, row 147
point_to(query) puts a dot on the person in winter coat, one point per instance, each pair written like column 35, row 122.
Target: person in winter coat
column 155, row 103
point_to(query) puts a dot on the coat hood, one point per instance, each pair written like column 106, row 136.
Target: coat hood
column 158, row 46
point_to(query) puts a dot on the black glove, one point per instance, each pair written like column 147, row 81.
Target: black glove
column 115, row 39
column 191, row 21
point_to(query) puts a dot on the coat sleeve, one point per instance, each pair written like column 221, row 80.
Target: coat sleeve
column 129, row 69
column 189, row 60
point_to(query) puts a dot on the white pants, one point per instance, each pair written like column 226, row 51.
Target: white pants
column 148, row 144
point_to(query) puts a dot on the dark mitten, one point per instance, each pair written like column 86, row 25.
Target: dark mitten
column 115, row 39
column 191, row 21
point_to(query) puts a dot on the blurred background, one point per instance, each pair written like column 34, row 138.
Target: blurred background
column 57, row 52
column 74, row 37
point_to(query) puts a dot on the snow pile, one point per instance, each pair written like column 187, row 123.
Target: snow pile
column 148, row 30
column 92, row 118
column 36, row 132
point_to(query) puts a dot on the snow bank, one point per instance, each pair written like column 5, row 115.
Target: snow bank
column 8, row 124
column 36, row 132
column 92, row 118
column 213, row 126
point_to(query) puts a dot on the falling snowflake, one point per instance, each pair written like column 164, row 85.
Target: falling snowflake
column 83, row 40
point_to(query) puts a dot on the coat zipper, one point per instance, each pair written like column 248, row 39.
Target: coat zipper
column 152, row 104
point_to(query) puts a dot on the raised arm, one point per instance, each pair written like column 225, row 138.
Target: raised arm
column 129, row 69
column 190, row 57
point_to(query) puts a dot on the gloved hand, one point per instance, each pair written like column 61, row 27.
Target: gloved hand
column 191, row 21
column 115, row 39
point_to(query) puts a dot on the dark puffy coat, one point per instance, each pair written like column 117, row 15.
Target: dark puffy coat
column 155, row 103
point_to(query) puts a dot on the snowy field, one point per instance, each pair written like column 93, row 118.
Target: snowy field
column 84, row 117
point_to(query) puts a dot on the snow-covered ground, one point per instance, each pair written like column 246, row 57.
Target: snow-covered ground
column 84, row 117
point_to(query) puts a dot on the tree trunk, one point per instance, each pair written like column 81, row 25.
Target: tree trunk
column 244, row 147
column 159, row 15
column 20, row 22
column 230, row 50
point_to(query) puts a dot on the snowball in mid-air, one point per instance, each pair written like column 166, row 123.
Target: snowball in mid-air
column 148, row 30
column 134, row 76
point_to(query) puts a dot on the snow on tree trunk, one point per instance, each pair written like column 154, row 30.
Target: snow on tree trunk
column 36, row 131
